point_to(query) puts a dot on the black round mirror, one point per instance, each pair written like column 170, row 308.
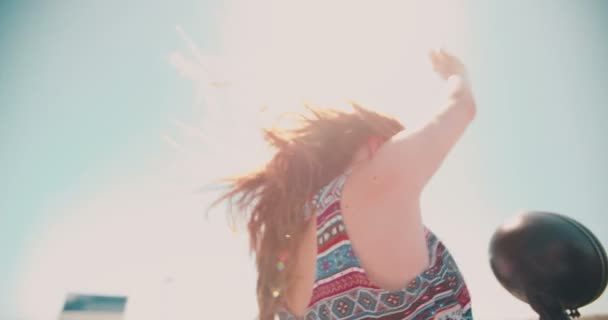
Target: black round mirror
column 549, row 261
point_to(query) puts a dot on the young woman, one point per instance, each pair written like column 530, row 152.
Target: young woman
column 334, row 217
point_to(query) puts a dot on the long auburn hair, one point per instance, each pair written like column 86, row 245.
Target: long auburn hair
column 274, row 199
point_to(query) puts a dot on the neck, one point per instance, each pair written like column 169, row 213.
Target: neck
column 362, row 155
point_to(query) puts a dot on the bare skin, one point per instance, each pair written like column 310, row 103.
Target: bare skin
column 381, row 198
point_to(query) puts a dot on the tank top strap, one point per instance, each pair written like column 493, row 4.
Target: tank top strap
column 328, row 195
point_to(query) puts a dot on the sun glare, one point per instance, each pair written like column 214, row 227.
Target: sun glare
column 275, row 57
column 278, row 55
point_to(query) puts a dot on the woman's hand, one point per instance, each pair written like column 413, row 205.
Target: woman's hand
column 446, row 65
column 450, row 68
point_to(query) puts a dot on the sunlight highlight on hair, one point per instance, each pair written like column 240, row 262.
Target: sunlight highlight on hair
column 278, row 56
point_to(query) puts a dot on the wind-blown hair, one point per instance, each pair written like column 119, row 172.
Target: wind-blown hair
column 275, row 198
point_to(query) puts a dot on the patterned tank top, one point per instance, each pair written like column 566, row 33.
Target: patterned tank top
column 342, row 289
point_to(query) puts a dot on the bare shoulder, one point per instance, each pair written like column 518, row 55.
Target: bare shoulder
column 385, row 228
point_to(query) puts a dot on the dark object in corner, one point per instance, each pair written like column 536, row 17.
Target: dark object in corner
column 549, row 261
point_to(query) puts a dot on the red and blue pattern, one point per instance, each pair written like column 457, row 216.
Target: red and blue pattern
column 343, row 291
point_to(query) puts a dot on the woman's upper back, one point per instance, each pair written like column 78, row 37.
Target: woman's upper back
column 340, row 271
column 386, row 248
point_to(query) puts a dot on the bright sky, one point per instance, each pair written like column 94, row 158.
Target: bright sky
column 104, row 143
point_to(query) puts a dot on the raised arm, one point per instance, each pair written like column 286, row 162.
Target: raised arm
column 411, row 158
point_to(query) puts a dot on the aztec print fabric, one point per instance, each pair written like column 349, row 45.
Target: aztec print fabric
column 342, row 290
